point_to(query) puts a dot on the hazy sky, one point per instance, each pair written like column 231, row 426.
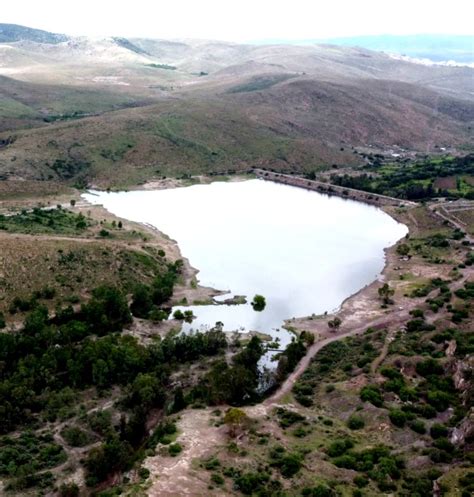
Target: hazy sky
column 242, row 20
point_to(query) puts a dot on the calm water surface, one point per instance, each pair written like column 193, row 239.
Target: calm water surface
column 304, row 251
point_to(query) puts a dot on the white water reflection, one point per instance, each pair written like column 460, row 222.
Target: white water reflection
column 304, row 251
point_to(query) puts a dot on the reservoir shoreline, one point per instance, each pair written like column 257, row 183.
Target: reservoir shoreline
column 352, row 304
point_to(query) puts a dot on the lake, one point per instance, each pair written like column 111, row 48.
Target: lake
column 305, row 252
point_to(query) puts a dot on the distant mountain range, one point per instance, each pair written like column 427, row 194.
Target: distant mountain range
column 438, row 48
column 14, row 32
column 434, row 47
column 119, row 110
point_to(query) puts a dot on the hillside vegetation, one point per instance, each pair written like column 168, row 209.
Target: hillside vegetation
column 202, row 106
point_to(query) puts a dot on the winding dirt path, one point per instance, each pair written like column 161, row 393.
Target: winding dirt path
column 394, row 318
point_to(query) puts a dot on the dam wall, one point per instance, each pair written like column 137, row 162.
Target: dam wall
column 327, row 188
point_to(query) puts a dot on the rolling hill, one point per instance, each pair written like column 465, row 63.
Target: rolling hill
column 116, row 111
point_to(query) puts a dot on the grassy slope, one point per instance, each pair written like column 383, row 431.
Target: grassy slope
column 290, row 108
column 69, row 259
column 25, row 104
column 295, row 125
column 171, row 138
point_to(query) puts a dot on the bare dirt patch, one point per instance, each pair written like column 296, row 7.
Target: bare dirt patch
column 176, row 476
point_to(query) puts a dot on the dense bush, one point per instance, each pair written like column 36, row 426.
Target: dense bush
column 397, row 417
column 174, row 449
column 339, row 447
column 248, row 483
column 75, row 437
column 438, row 430
column 287, row 418
column 355, row 422
column 288, row 463
column 372, row 394
column 113, row 455
column 28, row 454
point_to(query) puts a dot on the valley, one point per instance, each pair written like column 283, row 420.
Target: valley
column 234, row 269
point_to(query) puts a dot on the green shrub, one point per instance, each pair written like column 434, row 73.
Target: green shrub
column 397, row 417
column 438, row 430
column 418, row 426
column 248, row 483
column 174, row 449
column 143, row 473
column 339, row 447
column 300, row 432
column 319, row 491
column 212, row 463
column 75, row 437
column 443, row 443
column 361, row 481
column 372, row 394
column 290, row 464
column 100, row 421
column 217, row 479
column 355, row 422
column 287, row 418
column 429, row 367
column 347, row 461
column 178, row 314
column 259, row 303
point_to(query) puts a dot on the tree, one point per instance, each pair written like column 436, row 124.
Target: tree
column 403, row 249
column 385, row 292
column 178, row 314
column 179, row 401
column 146, row 391
column 107, row 310
column 235, row 419
column 142, row 302
column 335, row 323
column 72, row 202
column 100, row 373
column 259, row 303
column 113, row 455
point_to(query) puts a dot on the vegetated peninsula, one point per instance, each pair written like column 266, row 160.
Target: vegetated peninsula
column 100, row 393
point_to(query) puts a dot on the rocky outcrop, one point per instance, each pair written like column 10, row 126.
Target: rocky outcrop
column 464, row 431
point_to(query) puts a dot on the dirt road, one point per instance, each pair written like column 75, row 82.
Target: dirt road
column 395, row 317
